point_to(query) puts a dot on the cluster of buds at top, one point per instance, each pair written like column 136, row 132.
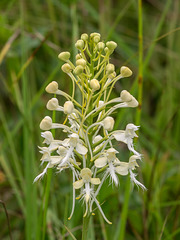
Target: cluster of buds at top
column 88, row 149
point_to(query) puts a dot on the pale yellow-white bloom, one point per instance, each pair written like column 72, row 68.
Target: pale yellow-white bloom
column 86, row 175
column 109, row 156
column 75, row 142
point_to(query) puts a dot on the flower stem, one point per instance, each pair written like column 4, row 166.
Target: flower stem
column 86, row 221
column 140, row 74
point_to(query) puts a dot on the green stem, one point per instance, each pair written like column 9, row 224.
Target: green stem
column 43, row 213
column 120, row 233
column 86, row 221
column 140, row 74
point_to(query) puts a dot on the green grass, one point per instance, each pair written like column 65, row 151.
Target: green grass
column 32, row 35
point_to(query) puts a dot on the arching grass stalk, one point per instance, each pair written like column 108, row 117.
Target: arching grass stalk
column 89, row 162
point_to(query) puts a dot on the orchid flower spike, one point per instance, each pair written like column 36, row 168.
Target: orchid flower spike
column 86, row 118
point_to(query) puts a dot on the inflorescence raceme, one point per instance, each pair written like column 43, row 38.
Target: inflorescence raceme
column 88, row 149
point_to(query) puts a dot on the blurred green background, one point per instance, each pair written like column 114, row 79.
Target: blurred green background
column 32, row 33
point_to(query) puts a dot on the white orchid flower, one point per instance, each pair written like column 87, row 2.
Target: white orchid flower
column 109, row 157
column 124, row 168
column 127, row 136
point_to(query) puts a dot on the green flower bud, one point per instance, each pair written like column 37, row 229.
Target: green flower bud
column 125, row 72
column 81, row 62
column 66, row 68
column 84, row 37
column 110, row 68
column 94, row 84
column 106, row 49
column 100, row 46
column 79, row 44
column 64, row 56
column 92, row 35
column 78, row 56
column 111, row 45
column 96, row 39
column 78, row 70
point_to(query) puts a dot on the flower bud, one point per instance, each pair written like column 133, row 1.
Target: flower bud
column 96, row 39
column 46, row 123
column 81, row 62
column 106, row 49
column 52, row 87
column 79, row 44
column 86, row 174
column 125, row 96
column 52, row 104
column 94, row 84
column 68, row 107
column 125, row 72
column 92, row 35
column 108, row 123
column 84, row 36
column 111, row 45
column 78, row 56
column 64, row 56
column 78, row 70
column 133, row 102
column 100, row 46
column 66, row 68
column 97, row 138
column 110, row 68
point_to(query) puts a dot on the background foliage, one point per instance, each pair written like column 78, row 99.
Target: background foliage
column 32, row 35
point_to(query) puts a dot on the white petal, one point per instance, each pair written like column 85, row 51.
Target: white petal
column 78, row 184
column 100, row 162
column 123, row 169
column 62, row 151
column 65, row 142
column 81, row 149
column 95, row 181
column 120, row 136
column 55, row 160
